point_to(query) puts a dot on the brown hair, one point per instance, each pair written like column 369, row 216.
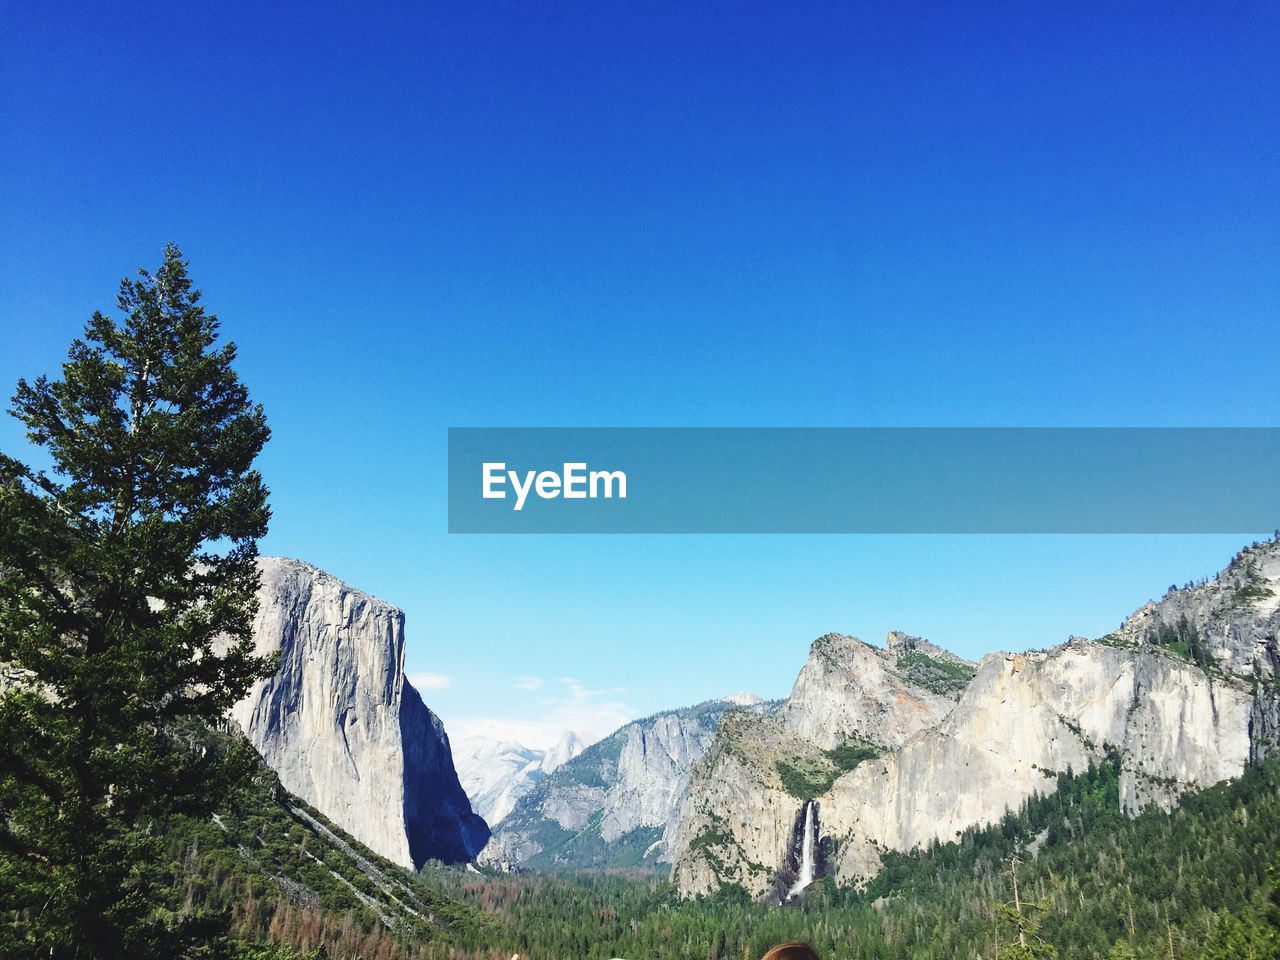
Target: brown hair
column 792, row 950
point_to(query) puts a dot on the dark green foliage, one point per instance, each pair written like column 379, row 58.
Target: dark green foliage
column 934, row 673
column 1024, row 921
column 809, row 779
column 1114, row 640
column 1251, row 592
column 852, row 752
column 1181, row 638
column 119, row 568
column 806, row 781
column 719, row 847
column 1254, row 587
column 712, row 838
column 280, row 870
column 277, row 951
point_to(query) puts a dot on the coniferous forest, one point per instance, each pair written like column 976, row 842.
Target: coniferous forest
column 1199, row 882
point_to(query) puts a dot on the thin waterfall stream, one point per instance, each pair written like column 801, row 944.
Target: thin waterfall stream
column 808, row 850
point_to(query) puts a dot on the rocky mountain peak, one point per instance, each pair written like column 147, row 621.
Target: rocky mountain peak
column 1228, row 623
column 849, row 688
column 743, row 699
column 903, row 644
column 617, row 803
column 842, row 647
column 567, row 747
column 341, row 725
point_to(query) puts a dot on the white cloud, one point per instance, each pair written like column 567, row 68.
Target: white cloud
column 430, row 681
column 591, row 714
column 527, row 683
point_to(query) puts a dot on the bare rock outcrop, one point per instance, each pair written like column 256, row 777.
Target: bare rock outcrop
column 849, row 688
column 342, row 726
column 1182, row 696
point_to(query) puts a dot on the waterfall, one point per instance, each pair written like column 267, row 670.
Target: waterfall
column 808, row 852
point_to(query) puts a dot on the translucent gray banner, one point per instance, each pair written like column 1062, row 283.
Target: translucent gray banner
column 864, row 480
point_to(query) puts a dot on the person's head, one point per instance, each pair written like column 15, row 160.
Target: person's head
column 792, row 950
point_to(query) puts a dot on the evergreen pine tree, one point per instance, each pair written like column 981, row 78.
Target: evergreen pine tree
column 127, row 594
column 1024, row 917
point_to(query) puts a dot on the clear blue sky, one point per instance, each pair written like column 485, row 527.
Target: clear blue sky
column 646, row 214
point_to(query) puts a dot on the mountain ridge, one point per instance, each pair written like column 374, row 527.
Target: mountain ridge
column 1185, row 691
column 615, row 803
column 497, row 773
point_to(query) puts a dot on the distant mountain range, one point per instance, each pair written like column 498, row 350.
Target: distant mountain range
column 614, row 804
column 497, row 773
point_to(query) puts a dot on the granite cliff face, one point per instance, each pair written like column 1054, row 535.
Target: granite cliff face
column 1028, row 717
column 849, row 688
column 738, row 818
column 745, row 804
column 1183, row 695
column 1235, row 616
column 616, row 803
column 342, row 726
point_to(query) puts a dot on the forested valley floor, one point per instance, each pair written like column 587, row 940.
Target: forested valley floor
column 1199, row 882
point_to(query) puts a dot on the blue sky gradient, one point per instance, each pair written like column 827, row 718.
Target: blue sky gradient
column 421, row 216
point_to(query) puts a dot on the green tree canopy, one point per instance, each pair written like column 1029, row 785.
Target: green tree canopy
column 127, row 594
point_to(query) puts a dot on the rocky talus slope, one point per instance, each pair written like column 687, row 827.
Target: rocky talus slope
column 344, row 729
column 902, row 746
column 294, row 875
column 616, row 804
